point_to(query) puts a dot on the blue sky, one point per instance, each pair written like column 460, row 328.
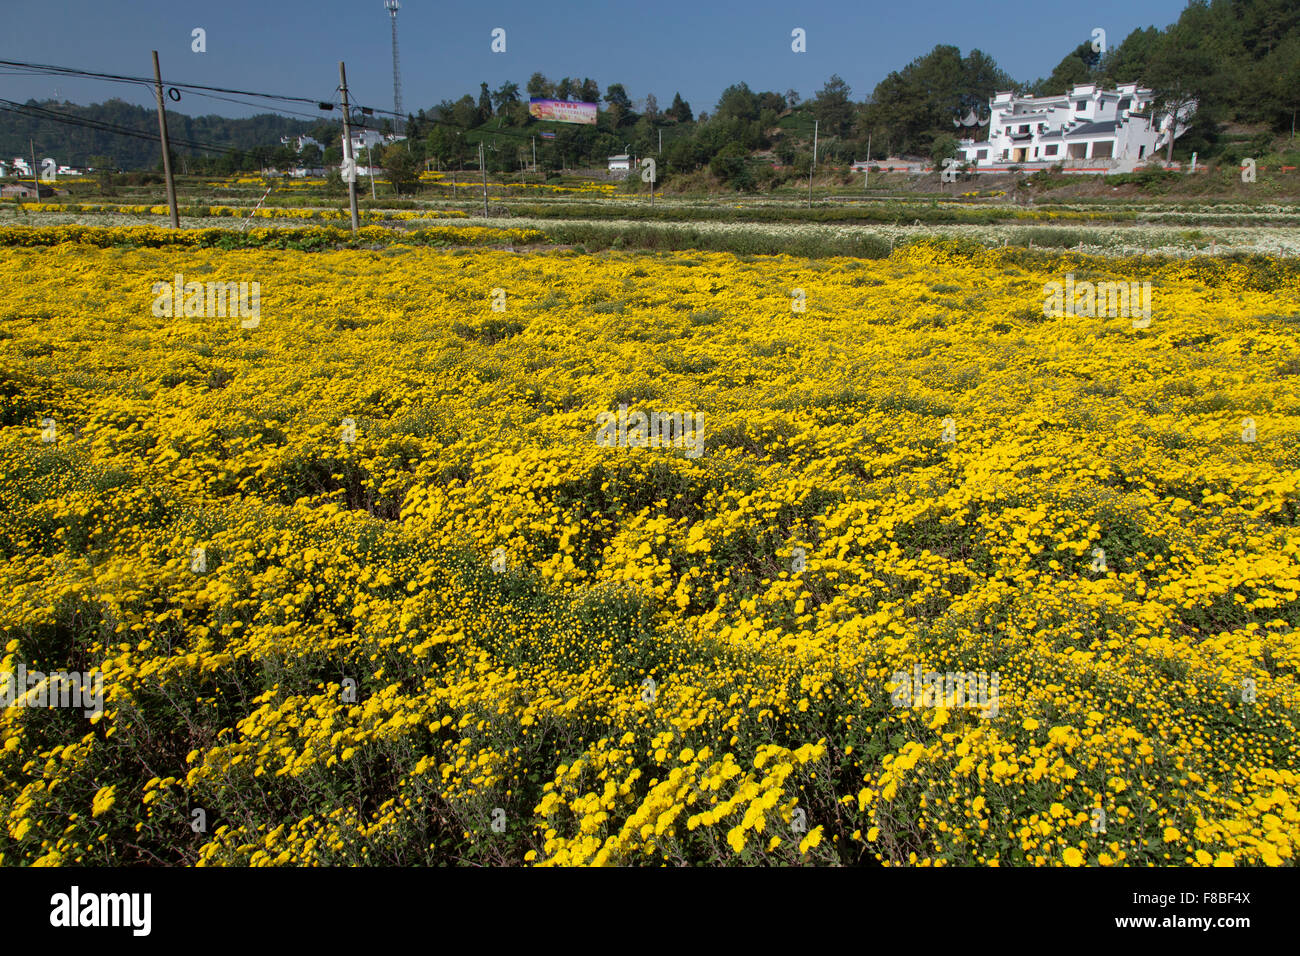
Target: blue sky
column 699, row 48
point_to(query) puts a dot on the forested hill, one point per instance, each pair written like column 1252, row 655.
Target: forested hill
column 74, row 144
column 1239, row 60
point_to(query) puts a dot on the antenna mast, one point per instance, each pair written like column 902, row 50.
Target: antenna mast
column 391, row 6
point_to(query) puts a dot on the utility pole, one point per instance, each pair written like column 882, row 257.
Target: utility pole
column 866, row 179
column 483, row 166
column 36, row 182
column 166, row 147
column 347, row 146
column 370, row 162
column 813, row 164
column 534, row 155
column 661, row 142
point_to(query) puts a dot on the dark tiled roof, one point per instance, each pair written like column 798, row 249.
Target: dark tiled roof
column 1093, row 129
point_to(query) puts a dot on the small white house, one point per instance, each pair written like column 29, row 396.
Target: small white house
column 363, row 139
column 1092, row 129
column 620, row 163
column 299, row 143
column 362, row 170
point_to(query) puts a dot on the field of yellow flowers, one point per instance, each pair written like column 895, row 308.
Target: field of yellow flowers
column 369, row 215
column 364, row 586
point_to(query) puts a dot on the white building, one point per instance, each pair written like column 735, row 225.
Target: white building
column 1088, row 128
column 366, row 139
column 299, row 143
column 372, row 139
column 622, row 162
column 20, row 167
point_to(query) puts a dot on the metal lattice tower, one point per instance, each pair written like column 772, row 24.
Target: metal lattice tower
column 391, row 6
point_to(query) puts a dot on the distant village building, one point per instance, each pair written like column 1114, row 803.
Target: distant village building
column 370, row 139
column 299, row 143
column 1089, row 128
column 26, row 190
column 620, row 163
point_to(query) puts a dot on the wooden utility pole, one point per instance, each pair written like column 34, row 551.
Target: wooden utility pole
column 534, row 154
column 482, row 164
column 866, row 179
column 347, row 146
column 813, row 164
column 36, row 180
column 166, row 147
column 370, row 161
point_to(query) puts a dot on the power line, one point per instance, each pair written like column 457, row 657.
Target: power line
column 103, row 126
column 48, row 69
column 45, row 69
column 212, row 96
column 51, row 70
column 30, row 69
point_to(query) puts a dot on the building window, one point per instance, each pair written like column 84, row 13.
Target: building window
column 1080, row 106
column 982, row 154
column 1103, row 149
column 1049, row 150
column 1025, row 128
column 1124, row 104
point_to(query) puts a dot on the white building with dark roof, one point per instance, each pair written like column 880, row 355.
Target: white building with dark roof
column 1088, row 128
column 299, row 143
column 364, row 139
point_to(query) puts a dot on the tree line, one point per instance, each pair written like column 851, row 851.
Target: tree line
column 1238, row 59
